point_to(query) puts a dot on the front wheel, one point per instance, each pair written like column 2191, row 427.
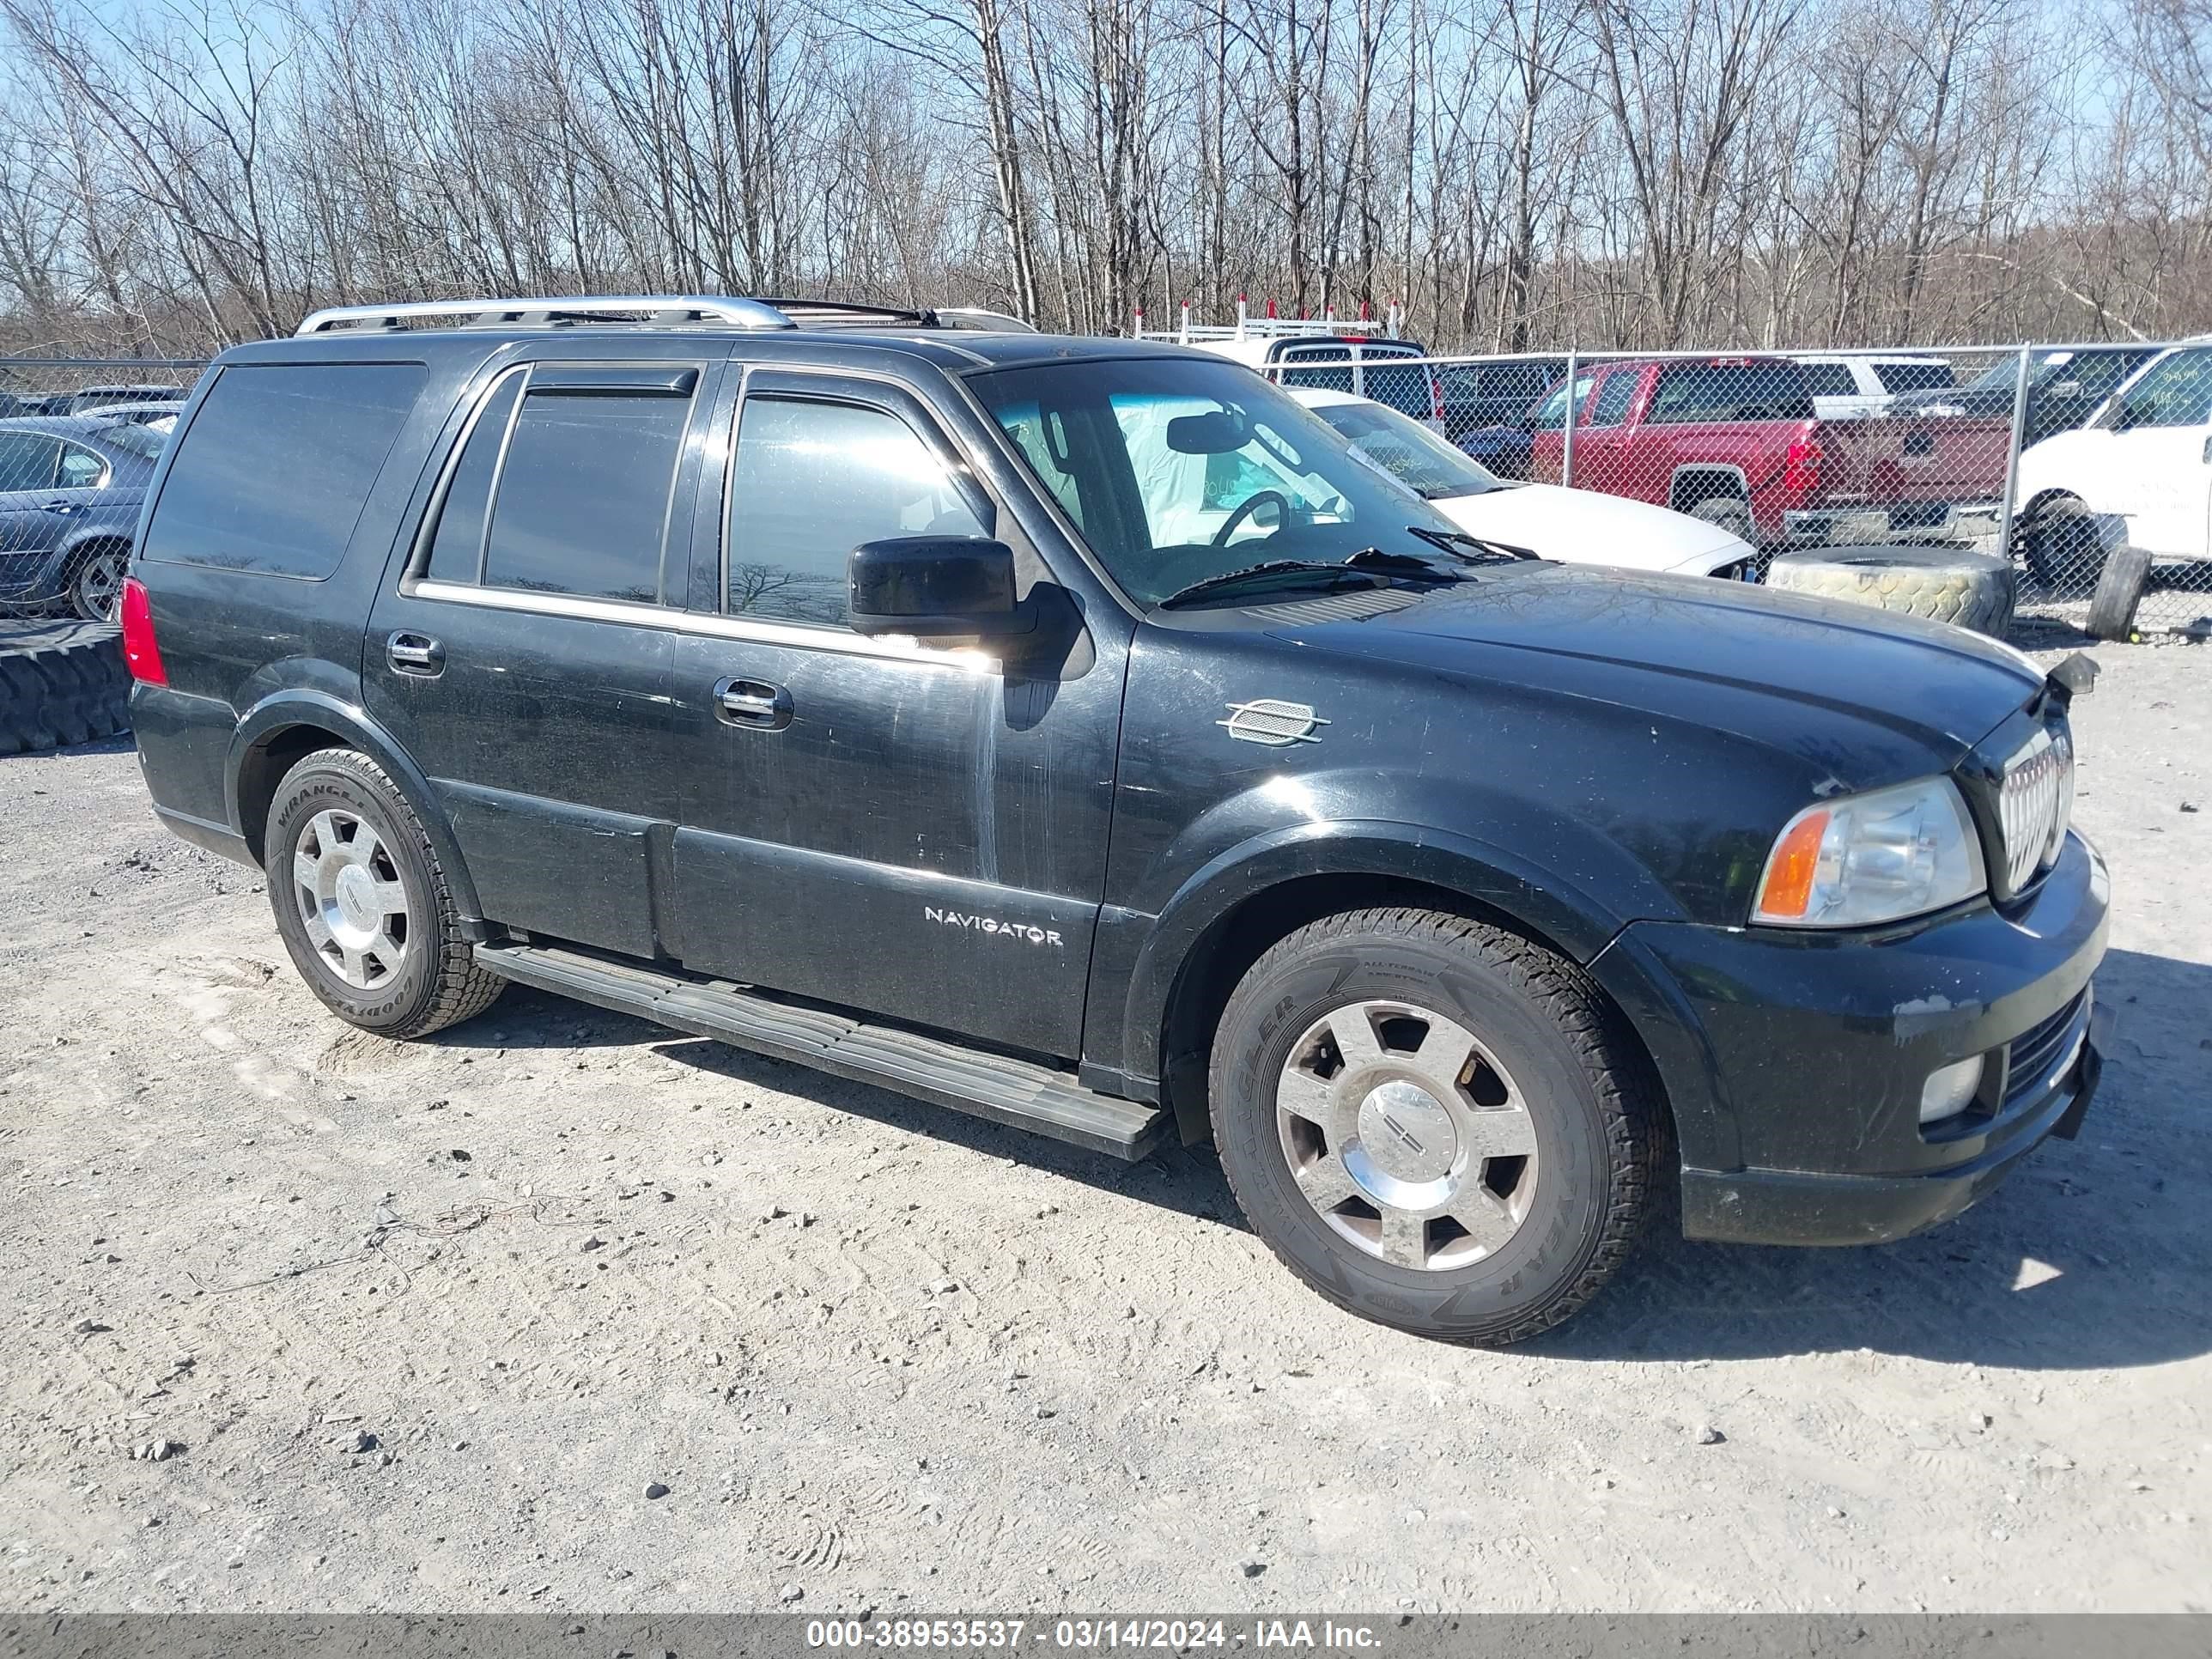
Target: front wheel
column 1434, row 1124
column 362, row 903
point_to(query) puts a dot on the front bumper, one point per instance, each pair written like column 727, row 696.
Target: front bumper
column 1815, row 1050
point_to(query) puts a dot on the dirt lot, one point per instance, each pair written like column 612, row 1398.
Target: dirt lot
column 421, row 1327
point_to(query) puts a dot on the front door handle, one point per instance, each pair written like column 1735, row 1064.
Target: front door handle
column 752, row 703
column 418, row 654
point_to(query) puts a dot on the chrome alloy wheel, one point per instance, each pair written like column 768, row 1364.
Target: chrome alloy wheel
column 1406, row 1136
column 351, row 899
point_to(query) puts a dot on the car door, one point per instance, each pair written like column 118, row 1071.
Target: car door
column 2156, row 467
column 523, row 656
column 29, row 462
column 901, row 827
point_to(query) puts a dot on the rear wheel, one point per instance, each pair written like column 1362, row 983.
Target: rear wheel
column 1731, row 514
column 1434, row 1124
column 96, row 588
column 363, row 906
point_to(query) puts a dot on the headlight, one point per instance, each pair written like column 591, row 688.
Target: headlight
column 1859, row 860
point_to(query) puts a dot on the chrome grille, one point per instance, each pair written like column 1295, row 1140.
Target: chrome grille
column 2035, row 797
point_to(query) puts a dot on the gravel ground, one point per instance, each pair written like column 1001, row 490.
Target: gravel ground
column 557, row 1310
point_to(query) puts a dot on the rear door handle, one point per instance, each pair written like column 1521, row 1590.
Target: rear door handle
column 753, row 703
column 418, row 654
column 60, row 506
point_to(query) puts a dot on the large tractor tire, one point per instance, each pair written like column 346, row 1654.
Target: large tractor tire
column 61, row 683
column 1945, row 583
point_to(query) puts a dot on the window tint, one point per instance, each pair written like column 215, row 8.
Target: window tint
column 1329, row 379
column 583, row 496
column 1915, row 377
column 28, row 460
column 1553, row 414
column 1408, row 390
column 1730, row 391
column 457, row 547
column 277, row 465
column 1613, row 399
column 2175, row 391
column 1524, row 381
column 812, row 482
column 1831, row 380
column 81, row 468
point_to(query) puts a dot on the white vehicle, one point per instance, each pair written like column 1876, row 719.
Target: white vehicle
column 2144, row 462
column 1576, row 526
column 1846, row 386
column 1356, row 357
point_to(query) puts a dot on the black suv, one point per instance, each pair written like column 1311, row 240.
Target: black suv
column 1075, row 732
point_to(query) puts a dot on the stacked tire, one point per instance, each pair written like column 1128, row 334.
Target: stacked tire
column 61, row 683
column 1944, row 584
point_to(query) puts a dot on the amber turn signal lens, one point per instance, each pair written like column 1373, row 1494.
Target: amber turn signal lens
column 1789, row 872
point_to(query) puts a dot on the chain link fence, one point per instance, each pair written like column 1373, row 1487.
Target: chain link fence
column 78, row 440
column 2087, row 468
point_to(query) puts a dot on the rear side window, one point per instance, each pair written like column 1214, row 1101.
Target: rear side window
column 277, row 465
column 457, row 547
column 1730, row 391
column 1832, row 381
column 1915, row 377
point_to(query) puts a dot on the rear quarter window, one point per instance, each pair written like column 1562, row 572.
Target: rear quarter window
column 275, row 468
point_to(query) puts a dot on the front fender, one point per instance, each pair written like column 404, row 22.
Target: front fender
column 332, row 708
column 1576, row 919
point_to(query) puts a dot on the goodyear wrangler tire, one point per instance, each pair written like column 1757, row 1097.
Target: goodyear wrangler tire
column 1945, row 583
column 61, row 683
column 1434, row 1124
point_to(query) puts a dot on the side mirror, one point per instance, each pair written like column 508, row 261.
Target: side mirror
column 933, row 587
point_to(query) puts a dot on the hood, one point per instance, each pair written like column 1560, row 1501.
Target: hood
column 1861, row 696
column 1580, row 526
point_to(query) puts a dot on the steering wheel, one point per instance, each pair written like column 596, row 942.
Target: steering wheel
column 1245, row 511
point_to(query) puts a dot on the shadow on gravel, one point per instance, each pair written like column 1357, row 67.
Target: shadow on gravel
column 2093, row 1255
column 1173, row 1178
column 121, row 744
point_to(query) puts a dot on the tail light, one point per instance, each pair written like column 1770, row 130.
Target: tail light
column 1800, row 467
column 139, row 649
column 1436, row 394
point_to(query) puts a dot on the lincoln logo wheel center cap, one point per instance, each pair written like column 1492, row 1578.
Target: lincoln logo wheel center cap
column 1407, row 1134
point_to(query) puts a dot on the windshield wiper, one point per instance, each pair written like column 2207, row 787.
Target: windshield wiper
column 1339, row 569
column 1475, row 549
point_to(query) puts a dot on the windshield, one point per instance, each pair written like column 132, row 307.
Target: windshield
column 1176, row 470
column 149, row 439
column 1408, row 450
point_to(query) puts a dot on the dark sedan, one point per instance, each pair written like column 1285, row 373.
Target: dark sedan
column 70, row 486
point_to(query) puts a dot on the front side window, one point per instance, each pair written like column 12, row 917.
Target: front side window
column 1613, row 398
column 1408, row 450
column 581, row 504
column 2176, row 391
column 811, row 481
column 1186, row 470
column 28, row 461
column 1552, row 414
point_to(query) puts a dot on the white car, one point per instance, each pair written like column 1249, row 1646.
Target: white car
column 1847, row 386
column 1576, row 526
column 2144, row 460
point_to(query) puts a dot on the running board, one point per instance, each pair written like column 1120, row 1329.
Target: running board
column 1015, row 1092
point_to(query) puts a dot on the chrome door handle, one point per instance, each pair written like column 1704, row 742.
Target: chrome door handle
column 416, row 654
column 752, row 703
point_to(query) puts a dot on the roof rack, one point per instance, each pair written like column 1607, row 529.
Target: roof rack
column 662, row 310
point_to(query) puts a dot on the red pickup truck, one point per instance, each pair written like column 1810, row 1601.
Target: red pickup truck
column 1734, row 440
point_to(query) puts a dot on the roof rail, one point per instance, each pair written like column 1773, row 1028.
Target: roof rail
column 662, row 309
